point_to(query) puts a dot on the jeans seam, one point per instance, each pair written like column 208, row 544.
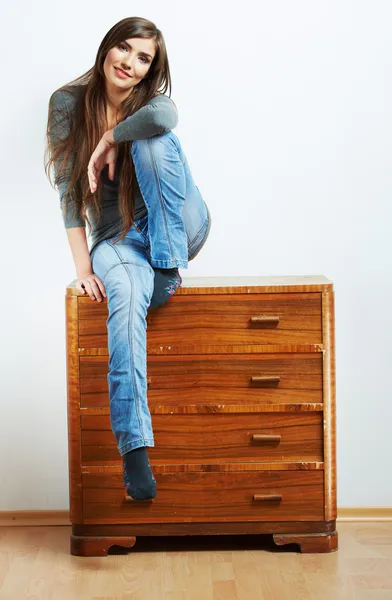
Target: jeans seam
column 197, row 234
column 145, row 441
column 137, row 179
column 123, row 262
column 141, row 232
column 208, row 220
column 130, row 341
column 155, row 170
column 131, row 349
column 173, row 264
column 133, row 242
column 204, row 238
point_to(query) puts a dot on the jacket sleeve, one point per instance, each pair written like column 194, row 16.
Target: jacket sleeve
column 158, row 116
column 59, row 128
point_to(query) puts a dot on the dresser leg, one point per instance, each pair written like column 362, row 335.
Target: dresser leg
column 309, row 542
column 98, row 546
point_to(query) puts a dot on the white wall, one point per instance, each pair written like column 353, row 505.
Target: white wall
column 285, row 117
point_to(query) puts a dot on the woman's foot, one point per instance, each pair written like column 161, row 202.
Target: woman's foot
column 166, row 282
column 139, row 481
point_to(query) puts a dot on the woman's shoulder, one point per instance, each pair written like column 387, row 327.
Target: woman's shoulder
column 66, row 97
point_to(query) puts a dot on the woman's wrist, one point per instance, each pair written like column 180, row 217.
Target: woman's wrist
column 84, row 268
column 108, row 137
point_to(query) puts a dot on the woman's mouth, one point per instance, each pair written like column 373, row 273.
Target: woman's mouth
column 121, row 73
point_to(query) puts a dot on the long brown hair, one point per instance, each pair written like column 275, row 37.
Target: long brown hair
column 88, row 123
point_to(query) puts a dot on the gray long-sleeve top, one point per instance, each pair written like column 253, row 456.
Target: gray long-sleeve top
column 158, row 116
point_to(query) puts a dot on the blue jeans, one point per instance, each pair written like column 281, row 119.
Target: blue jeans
column 172, row 233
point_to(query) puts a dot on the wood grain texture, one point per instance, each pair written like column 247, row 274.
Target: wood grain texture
column 113, row 467
column 167, row 349
column 217, row 438
column 329, row 406
column 311, row 542
column 210, row 528
column 210, row 408
column 237, row 379
column 95, row 540
column 36, row 565
column 98, row 545
column 197, row 380
column 208, row 497
column 244, row 285
column 74, row 432
column 225, row 320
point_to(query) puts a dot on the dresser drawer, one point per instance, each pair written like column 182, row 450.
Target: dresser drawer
column 221, row 379
column 214, row 438
column 221, row 319
column 208, row 497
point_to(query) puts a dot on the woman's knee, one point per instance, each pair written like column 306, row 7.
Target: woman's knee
column 127, row 283
column 159, row 146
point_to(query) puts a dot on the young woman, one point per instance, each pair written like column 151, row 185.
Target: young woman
column 119, row 166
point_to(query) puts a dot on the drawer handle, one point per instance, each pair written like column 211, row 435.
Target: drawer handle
column 265, row 319
column 260, row 379
column 267, row 498
column 266, row 438
column 148, row 380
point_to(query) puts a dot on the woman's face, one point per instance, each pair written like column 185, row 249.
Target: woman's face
column 134, row 56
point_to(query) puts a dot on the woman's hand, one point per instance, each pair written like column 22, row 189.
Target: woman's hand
column 93, row 285
column 104, row 154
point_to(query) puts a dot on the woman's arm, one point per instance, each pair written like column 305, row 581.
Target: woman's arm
column 80, row 251
column 75, row 225
column 158, row 116
column 59, row 128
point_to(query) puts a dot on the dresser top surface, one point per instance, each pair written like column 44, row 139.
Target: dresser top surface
column 244, row 284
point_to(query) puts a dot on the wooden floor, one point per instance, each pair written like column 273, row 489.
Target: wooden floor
column 35, row 564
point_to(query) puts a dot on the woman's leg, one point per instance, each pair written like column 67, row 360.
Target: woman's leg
column 126, row 270
column 178, row 217
column 161, row 178
column 179, row 221
column 128, row 278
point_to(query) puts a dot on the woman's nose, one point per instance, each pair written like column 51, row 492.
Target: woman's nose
column 127, row 68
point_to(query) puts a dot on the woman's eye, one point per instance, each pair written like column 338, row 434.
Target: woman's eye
column 125, row 48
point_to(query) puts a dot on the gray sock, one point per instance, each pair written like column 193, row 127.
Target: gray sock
column 138, row 478
column 166, row 281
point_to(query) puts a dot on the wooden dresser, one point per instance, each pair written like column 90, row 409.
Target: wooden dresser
column 241, row 389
